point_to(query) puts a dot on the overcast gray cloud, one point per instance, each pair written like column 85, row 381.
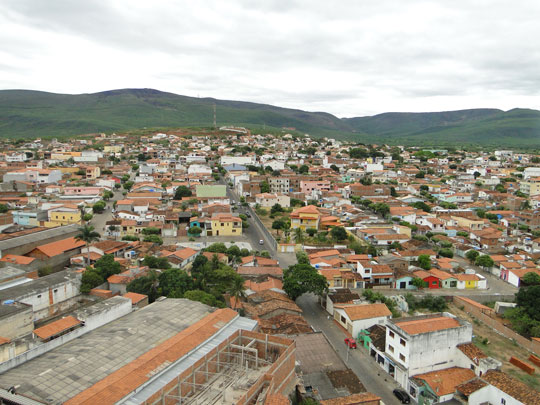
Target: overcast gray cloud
column 348, row 57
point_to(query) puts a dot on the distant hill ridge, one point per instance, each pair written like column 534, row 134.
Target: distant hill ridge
column 27, row 113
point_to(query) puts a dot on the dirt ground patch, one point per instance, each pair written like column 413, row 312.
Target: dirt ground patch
column 499, row 347
column 346, row 379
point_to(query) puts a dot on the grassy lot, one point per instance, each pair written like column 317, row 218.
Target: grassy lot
column 499, row 347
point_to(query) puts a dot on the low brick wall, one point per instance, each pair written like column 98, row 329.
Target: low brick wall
column 522, row 365
column 530, row 345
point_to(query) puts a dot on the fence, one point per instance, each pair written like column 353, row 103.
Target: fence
column 530, row 345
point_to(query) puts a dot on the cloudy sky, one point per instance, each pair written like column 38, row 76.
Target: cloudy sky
column 346, row 57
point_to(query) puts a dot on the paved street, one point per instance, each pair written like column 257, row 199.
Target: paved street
column 372, row 376
column 99, row 220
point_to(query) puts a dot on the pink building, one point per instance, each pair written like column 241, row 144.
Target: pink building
column 307, row 186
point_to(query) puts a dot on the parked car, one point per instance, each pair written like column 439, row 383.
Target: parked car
column 248, row 215
column 402, row 395
column 350, row 343
column 261, row 242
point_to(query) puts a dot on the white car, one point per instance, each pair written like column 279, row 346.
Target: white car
column 261, row 242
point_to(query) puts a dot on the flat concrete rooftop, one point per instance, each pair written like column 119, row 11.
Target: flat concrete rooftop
column 64, row 372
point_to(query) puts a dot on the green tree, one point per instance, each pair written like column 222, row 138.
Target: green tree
column 3, row 208
column 446, row 253
column 278, row 224
column 531, row 278
column 265, row 187
column 99, row 207
column 276, row 208
column 424, row 262
column 151, row 230
column 174, row 282
column 302, row 257
column 472, row 255
column 303, row 169
column 106, row 266
column 195, row 230
column 156, row 262
column 90, row 279
column 202, row 296
column 418, row 283
column 143, row 285
column 338, row 233
column 484, row 261
column 299, row 235
column 334, row 168
column 181, row 192
column 237, row 290
column 311, row 232
column 154, row 239
column 302, row 278
column 88, row 236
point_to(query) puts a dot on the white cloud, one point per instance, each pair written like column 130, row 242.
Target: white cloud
column 349, row 58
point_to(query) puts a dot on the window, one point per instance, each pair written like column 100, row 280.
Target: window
column 402, row 357
column 434, row 283
column 343, row 320
column 391, row 334
column 402, row 342
column 56, row 290
column 391, row 348
column 39, row 296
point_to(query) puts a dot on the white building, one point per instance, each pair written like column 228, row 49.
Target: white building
column 268, row 200
column 418, row 345
column 239, row 160
column 354, row 318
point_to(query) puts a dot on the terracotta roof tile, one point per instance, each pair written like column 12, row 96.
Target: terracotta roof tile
column 444, row 382
column 358, row 312
column 134, row 297
column 512, row 387
column 56, row 327
column 127, row 378
column 60, row 246
column 427, row 325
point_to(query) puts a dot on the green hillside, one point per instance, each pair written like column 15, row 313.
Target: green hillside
column 25, row 113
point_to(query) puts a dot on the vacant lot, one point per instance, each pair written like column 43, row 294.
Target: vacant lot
column 499, row 347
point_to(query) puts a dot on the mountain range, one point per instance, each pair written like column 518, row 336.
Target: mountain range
column 28, row 113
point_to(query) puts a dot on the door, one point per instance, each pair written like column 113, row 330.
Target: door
column 403, row 284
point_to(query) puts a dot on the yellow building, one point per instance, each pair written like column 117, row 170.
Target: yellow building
column 531, row 187
column 305, row 218
column 63, row 216
column 226, row 225
column 112, row 148
column 92, row 172
column 472, row 224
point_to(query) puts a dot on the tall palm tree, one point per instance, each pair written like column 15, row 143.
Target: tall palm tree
column 298, row 235
column 237, row 290
column 88, row 235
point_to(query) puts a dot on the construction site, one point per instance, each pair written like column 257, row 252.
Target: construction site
column 243, row 370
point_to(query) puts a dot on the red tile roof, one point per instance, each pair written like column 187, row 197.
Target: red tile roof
column 127, row 378
column 61, row 246
column 134, row 297
column 56, row 327
column 427, row 325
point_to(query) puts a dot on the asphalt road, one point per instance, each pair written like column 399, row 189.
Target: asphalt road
column 99, row 220
column 253, row 232
column 372, row 376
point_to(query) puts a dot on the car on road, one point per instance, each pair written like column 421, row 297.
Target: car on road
column 248, row 215
column 402, row 395
column 261, row 242
column 351, row 343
